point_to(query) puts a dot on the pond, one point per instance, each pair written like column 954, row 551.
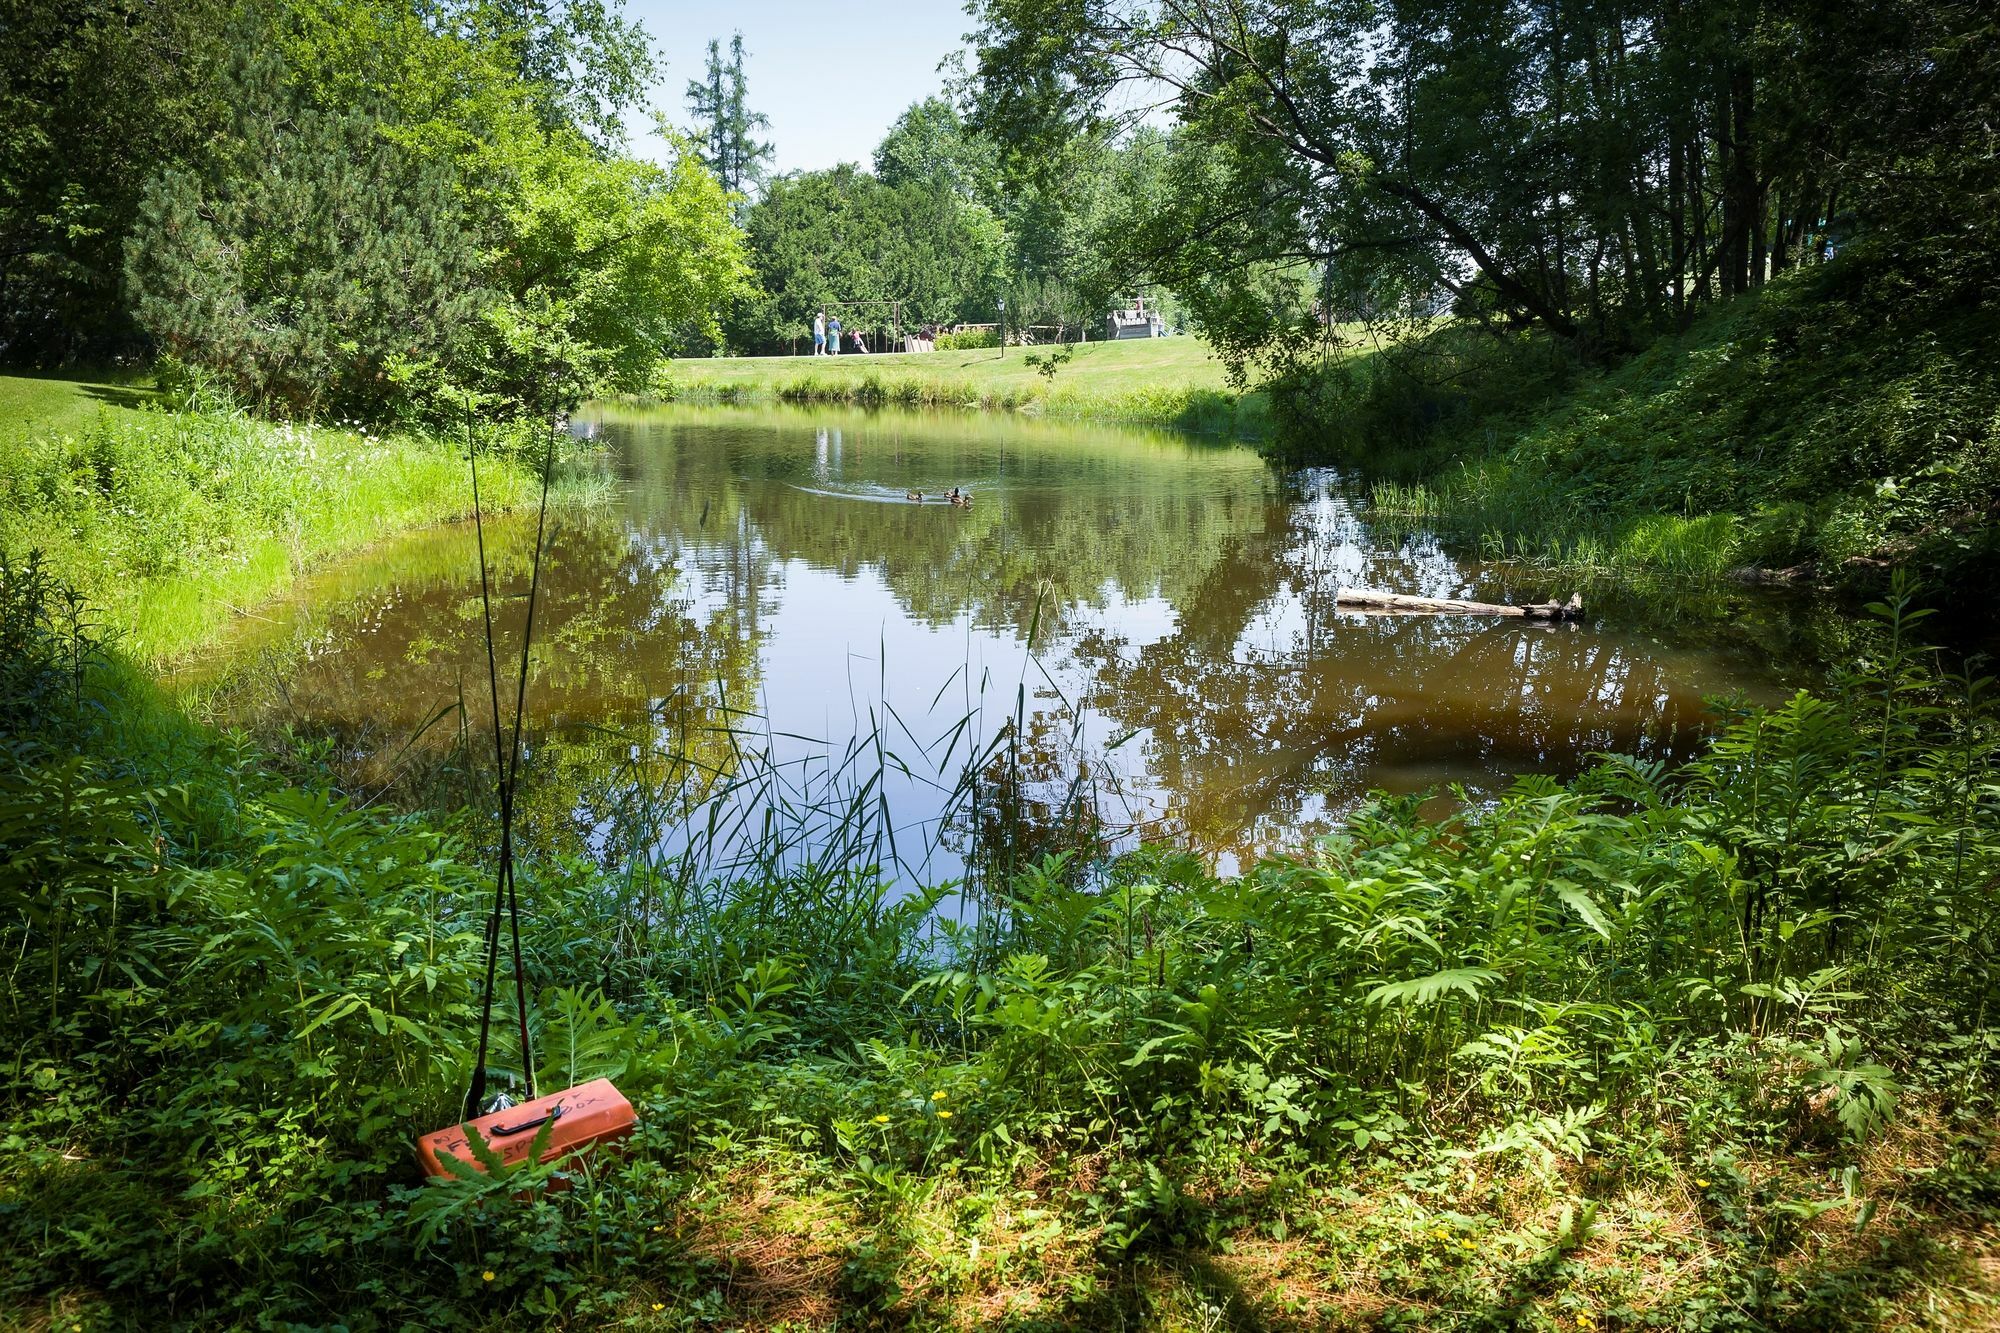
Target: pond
column 1126, row 634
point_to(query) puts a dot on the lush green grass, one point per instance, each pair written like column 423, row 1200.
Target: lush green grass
column 1697, row 1051
column 1162, row 381
column 1834, row 424
column 44, row 403
column 171, row 522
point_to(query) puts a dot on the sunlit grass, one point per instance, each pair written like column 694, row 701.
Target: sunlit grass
column 173, row 523
column 1162, row 381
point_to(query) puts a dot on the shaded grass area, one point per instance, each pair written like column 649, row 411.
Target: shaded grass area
column 43, row 403
column 1765, row 1242
column 1543, row 1065
column 169, row 523
column 1834, row 426
column 1174, row 382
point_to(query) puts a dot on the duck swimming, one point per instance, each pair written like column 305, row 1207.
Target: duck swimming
column 963, row 499
column 913, row 495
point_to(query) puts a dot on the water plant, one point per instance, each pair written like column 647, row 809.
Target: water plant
column 1650, row 998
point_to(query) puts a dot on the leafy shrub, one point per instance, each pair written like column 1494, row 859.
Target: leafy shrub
column 236, row 1002
column 967, row 340
column 48, row 649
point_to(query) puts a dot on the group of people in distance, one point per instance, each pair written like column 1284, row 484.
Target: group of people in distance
column 826, row 336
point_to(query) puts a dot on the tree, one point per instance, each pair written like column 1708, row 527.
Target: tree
column 930, row 144
column 844, row 235
column 95, row 97
column 725, row 128
column 311, row 262
column 608, row 262
column 1595, row 172
column 583, row 63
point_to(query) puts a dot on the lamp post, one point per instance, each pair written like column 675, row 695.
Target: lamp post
column 1002, row 303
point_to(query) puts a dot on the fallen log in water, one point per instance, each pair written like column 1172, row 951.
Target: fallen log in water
column 1360, row 599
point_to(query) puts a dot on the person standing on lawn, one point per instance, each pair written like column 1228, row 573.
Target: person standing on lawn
column 819, row 334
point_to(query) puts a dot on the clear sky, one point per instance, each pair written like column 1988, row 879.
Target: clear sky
column 831, row 76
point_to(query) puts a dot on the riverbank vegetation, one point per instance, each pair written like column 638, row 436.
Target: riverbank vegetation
column 1697, row 1049
column 1176, row 382
column 1829, row 429
column 168, row 523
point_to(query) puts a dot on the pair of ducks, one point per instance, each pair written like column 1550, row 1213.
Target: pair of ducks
column 963, row 499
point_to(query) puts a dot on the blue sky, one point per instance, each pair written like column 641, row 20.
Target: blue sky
column 831, row 76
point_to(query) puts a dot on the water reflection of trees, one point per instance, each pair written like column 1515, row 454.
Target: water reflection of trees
column 629, row 677
column 1185, row 597
column 1060, row 518
column 1267, row 702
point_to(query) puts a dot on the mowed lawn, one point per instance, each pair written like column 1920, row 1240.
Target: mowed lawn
column 45, row 402
column 1108, row 368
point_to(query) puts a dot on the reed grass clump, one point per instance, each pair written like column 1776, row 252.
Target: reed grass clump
column 1699, row 1005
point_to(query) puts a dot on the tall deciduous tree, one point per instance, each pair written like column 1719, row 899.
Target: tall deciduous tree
column 930, row 143
column 1597, row 171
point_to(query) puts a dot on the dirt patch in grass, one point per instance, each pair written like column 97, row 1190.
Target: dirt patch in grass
column 780, row 1252
column 1284, row 1284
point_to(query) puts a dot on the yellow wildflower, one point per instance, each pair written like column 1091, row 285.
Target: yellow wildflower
column 881, row 1119
column 944, row 1115
column 938, row 1096
column 658, row 1306
column 1583, row 1319
column 487, row 1276
column 1700, row 1184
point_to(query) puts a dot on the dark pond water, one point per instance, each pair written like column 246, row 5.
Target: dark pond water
column 1142, row 624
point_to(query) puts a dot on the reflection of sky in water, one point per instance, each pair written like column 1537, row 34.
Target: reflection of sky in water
column 1186, row 610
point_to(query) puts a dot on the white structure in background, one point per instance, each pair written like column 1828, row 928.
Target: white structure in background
column 1137, row 322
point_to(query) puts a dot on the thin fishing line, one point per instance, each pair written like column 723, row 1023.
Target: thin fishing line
column 514, row 762
column 477, row 1092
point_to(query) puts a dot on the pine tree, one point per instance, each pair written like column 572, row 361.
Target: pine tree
column 312, row 263
column 725, row 127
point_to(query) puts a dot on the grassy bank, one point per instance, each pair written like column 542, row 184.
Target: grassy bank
column 1833, row 426
column 1705, row 1050
column 1165, row 382
column 171, row 522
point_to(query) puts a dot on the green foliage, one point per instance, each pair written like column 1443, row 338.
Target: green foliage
column 1597, row 174
column 163, row 520
column 236, row 1002
column 821, row 239
column 969, row 340
column 930, row 144
column 356, row 208
column 48, row 647
column 94, row 99
column 312, row 264
column 1838, row 420
column 611, row 262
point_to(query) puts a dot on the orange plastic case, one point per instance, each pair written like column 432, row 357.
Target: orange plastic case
column 593, row 1112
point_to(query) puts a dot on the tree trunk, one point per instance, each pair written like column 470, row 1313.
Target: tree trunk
column 1677, row 220
column 1360, row 599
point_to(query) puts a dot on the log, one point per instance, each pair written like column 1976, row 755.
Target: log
column 1360, row 599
